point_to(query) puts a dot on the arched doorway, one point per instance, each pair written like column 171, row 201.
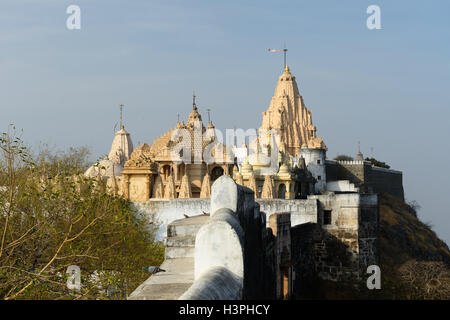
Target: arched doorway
column 216, row 173
column 282, row 191
column 165, row 171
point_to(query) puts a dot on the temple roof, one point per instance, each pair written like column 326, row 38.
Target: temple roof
column 104, row 169
column 161, row 149
column 121, row 148
column 288, row 115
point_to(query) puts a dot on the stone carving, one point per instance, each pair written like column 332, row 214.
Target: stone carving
column 169, row 188
column 206, row 187
column 158, row 189
column 185, row 188
column 122, row 147
column 140, row 157
column 251, row 184
column 288, row 114
column 267, row 191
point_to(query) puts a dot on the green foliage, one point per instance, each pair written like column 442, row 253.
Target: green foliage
column 377, row 163
column 343, row 157
column 51, row 217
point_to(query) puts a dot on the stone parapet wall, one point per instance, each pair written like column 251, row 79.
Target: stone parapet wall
column 368, row 178
column 165, row 211
column 302, row 211
column 387, row 181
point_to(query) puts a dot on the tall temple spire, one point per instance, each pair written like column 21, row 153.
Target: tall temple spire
column 122, row 146
column 288, row 115
column 194, row 116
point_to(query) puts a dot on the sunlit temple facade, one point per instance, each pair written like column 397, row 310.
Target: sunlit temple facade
column 286, row 160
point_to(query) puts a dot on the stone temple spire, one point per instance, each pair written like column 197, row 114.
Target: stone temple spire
column 122, row 146
column 194, row 116
column 288, row 115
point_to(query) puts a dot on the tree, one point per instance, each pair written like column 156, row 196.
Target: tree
column 426, row 279
column 51, row 217
column 343, row 157
column 377, row 163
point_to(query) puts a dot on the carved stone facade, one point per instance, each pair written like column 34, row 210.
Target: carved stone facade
column 166, row 170
column 288, row 115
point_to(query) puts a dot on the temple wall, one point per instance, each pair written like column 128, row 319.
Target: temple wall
column 166, row 211
column 340, row 250
column 386, row 180
column 138, row 188
column 315, row 162
column 366, row 177
column 302, row 211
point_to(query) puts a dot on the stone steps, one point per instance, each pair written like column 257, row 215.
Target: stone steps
column 181, row 234
column 187, row 226
column 178, row 263
column 180, row 252
column 180, row 241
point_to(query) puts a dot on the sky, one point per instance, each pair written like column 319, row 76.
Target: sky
column 388, row 88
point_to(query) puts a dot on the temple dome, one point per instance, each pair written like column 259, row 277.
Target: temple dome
column 105, row 168
column 246, row 167
column 121, row 148
column 284, row 168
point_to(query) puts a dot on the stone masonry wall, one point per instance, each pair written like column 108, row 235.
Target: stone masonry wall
column 389, row 181
column 368, row 178
column 165, row 211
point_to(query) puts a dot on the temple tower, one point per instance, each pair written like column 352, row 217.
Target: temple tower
column 288, row 115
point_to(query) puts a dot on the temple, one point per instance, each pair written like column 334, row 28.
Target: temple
column 286, row 160
column 275, row 204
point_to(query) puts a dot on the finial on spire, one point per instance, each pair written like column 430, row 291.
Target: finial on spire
column 285, row 52
column 359, row 156
column 121, row 111
column 286, row 69
column 209, row 115
column 270, row 127
column 194, row 105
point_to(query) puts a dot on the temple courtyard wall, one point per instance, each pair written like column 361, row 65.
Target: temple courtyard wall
column 165, row 211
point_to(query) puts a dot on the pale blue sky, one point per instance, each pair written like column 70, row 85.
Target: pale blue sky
column 388, row 88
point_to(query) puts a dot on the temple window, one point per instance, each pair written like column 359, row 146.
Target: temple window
column 326, row 217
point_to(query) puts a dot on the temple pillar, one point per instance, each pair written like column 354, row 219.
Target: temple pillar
column 176, row 171
column 289, row 191
column 148, row 184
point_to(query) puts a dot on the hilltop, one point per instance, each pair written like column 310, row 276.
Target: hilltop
column 414, row 262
